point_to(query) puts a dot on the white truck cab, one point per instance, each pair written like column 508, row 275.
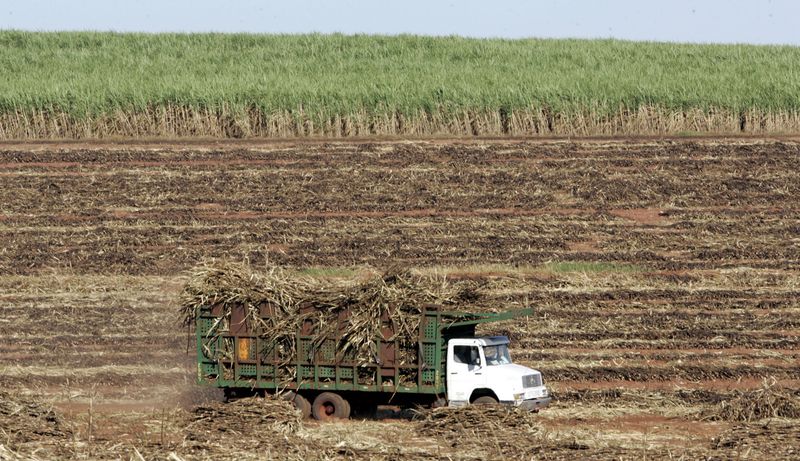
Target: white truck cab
column 480, row 370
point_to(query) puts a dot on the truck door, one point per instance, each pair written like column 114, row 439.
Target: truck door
column 464, row 372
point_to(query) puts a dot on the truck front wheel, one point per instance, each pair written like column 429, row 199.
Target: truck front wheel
column 329, row 406
column 485, row 400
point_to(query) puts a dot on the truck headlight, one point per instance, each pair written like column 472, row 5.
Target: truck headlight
column 519, row 396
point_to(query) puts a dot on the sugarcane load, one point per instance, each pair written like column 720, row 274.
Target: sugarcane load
column 339, row 347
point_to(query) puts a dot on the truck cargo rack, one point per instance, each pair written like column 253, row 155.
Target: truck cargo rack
column 242, row 359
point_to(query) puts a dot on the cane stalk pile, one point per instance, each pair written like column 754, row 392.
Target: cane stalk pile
column 476, row 421
column 753, row 405
column 256, row 415
column 354, row 309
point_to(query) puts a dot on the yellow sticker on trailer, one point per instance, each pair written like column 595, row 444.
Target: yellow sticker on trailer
column 243, row 349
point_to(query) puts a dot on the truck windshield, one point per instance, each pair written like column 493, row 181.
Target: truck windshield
column 497, row 355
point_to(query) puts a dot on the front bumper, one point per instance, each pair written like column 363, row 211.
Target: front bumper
column 535, row 404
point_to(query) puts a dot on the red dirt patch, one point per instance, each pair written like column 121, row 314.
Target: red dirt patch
column 210, row 207
column 647, row 216
column 655, row 424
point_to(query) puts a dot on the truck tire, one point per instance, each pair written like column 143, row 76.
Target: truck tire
column 299, row 402
column 348, row 407
column 485, row 400
column 329, row 406
column 302, row 404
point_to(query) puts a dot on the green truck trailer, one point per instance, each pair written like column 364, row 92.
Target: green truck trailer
column 445, row 364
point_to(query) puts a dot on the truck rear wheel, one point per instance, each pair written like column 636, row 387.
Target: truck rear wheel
column 329, row 406
column 302, row 404
column 348, row 407
column 485, row 400
column 299, row 402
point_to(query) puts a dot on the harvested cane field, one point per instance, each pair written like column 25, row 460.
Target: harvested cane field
column 101, row 85
column 665, row 278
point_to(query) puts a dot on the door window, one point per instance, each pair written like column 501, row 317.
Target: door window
column 466, row 354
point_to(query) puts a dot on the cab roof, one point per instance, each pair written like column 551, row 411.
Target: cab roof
column 493, row 340
column 482, row 340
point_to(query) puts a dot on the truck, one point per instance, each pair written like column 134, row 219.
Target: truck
column 443, row 364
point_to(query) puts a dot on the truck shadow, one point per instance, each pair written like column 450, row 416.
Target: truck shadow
column 385, row 412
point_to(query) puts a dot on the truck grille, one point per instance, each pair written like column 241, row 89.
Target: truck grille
column 532, row 380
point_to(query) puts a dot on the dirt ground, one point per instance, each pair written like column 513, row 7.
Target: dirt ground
column 664, row 275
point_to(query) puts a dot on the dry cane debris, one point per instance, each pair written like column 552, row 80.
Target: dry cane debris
column 497, row 430
column 26, row 420
column 249, row 416
column 754, row 405
column 476, row 421
column 707, row 223
column 773, row 440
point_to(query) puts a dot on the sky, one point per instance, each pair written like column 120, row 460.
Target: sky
column 699, row 21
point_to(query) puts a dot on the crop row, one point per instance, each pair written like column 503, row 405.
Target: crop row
column 334, row 85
